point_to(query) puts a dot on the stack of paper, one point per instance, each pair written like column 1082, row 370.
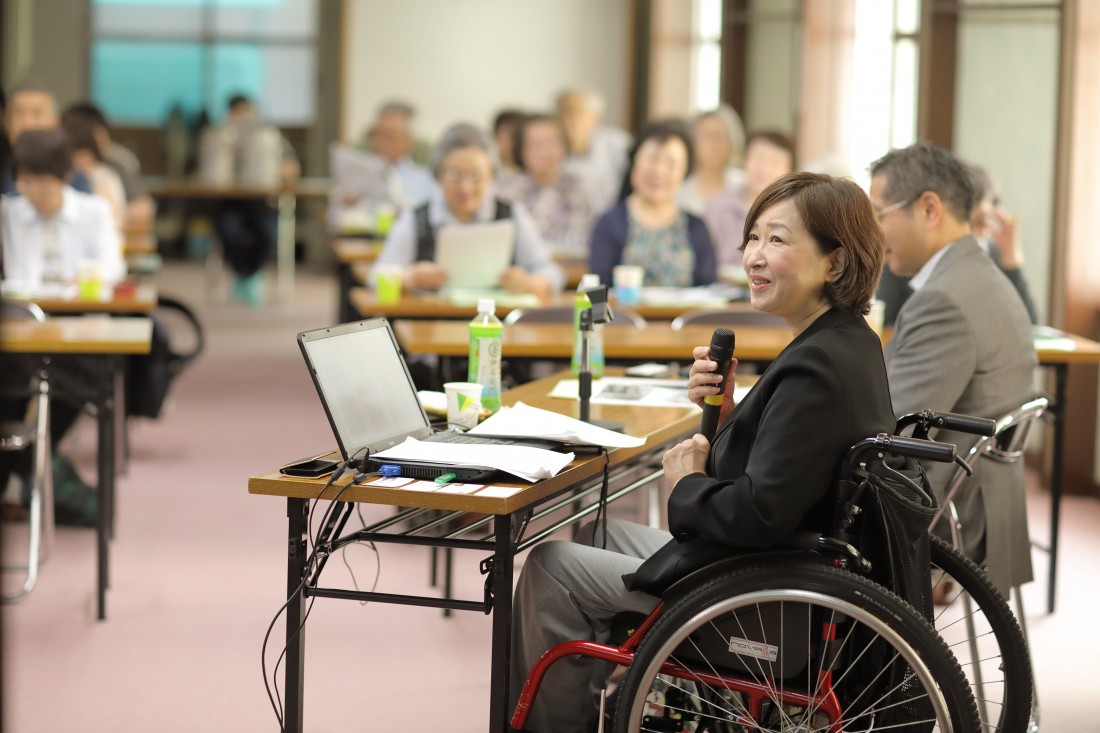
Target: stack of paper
column 524, row 421
column 637, row 391
column 529, row 464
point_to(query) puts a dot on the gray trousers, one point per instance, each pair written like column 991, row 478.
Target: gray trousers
column 570, row 591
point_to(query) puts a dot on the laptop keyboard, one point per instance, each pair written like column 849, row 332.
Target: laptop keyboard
column 452, row 436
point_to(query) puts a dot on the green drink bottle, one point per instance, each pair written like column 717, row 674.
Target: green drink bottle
column 485, row 335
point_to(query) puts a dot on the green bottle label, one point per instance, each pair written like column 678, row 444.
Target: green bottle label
column 485, row 348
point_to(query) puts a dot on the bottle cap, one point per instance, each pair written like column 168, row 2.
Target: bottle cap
column 589, row 280
column 486, row 305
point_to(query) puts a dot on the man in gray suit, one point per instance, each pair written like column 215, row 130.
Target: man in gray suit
column 962, row 341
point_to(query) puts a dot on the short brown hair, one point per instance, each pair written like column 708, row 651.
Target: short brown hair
column 838, row 214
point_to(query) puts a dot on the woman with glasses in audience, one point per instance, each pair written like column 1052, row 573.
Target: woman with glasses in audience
column 648, row 227
column 462, row 165
column 555, row 198
column 719, row 140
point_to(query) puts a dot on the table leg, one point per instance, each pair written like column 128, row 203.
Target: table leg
column 345, row 278
column 105, row 428
column 284, row 255
column 502, row 624
column 1061, row 373
column 294, row 678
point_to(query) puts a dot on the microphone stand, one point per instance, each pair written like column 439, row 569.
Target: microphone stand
column 584, row 376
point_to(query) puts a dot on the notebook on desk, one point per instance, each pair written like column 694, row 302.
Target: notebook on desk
column 370, row 399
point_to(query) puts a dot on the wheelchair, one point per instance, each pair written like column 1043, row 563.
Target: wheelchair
column 975, row 618
column 801, row 639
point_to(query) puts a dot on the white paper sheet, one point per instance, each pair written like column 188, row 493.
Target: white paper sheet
column 458, row 488
column 636, row 391
column 526, row 421
column 529, row 464
column 500, row 492
column 426, row 486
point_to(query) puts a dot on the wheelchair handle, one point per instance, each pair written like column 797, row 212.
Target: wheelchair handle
column 927, row 419
column 897, row 445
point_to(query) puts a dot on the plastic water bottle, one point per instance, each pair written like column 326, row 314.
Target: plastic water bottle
column 595, row 338
column 485, row 334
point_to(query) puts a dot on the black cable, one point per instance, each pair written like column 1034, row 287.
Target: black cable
column 601, row 511
column 274, row 698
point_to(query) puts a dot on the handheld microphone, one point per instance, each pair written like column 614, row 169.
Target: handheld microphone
column 721, row 351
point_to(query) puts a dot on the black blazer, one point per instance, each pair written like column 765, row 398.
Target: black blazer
column 775, row 458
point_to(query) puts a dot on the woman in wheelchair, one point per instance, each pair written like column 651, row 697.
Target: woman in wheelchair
column 813, row 251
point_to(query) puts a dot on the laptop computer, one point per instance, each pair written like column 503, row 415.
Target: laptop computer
column 474, row 255
column 371, row 403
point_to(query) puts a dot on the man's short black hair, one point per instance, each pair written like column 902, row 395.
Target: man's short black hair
column 238, row 100
column 43, row 153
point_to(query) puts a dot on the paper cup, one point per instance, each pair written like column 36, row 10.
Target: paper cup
column 628, row 283
column 89, row 280
column 387, row 284
column 463, row 404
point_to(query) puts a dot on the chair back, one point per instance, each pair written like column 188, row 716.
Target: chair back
column 14, row 310
column 564, row 314
column 1006, row 445
column 739, row 316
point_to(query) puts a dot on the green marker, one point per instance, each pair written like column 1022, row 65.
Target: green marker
column 446, row 478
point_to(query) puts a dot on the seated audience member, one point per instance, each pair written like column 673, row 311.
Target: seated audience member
column 995, row 229
column 391, row 137
column 48, row 233
column 962, row 342
column 505, row 124
column 596, row 154
column 5, row 147
column 32, row 106
column 768, row 155
column 648, row 228
column 719, row 139
column 554, row 197
column 140, row 208
column 88, row 160
column 462, row 164
column 813, row 254
column 50, row 229
column 247, row 228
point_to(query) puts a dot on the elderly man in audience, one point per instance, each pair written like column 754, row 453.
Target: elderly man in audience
column 768, row 156
column 140, row 208
column 391, row 138
column 462, row 164
column 32, row 106
column 649, row 228
column 554, row 197
column 597, row 154
column 962, row 342
column 995, row 229
column 719, row 139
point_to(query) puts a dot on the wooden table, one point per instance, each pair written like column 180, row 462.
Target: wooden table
column 434, row 306
column 354, row 257
column 555, row 341
column 142, row 300
column 508, row 516
column 101, row 343
column 1056, row 350
column 286, row 196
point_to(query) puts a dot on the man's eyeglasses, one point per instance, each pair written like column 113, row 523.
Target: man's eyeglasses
column 880, row 213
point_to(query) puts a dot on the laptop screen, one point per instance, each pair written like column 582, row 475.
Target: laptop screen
column 364, row 385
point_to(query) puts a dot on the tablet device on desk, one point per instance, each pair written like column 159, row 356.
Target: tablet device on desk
column 371, row 402
column 475, row 255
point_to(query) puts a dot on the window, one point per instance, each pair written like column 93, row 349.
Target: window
column 149, row 56
column 707, row 56
column 884, row 83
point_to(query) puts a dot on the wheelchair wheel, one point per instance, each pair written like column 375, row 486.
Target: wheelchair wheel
column 986, row 639
column 790, row 645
